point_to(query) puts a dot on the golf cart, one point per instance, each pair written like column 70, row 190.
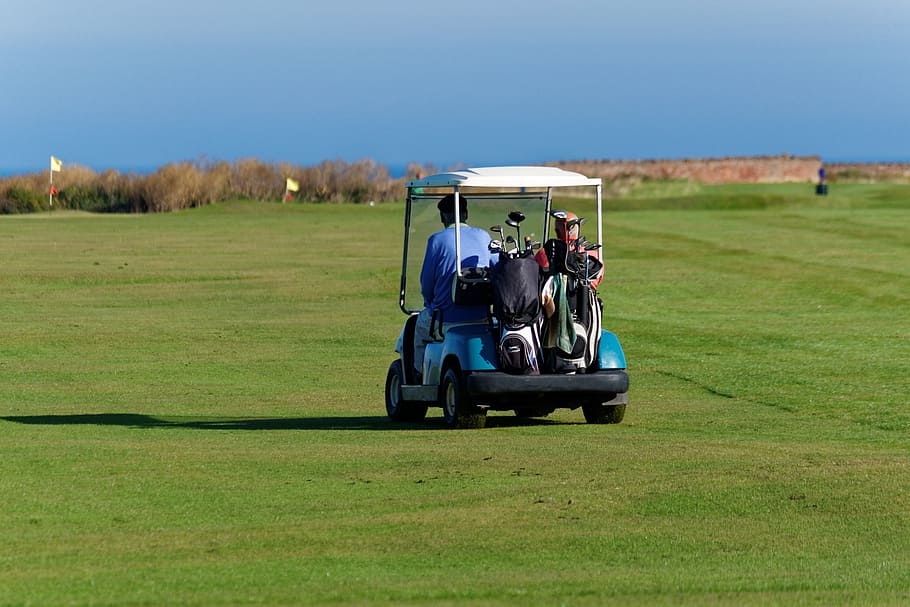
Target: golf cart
column 465, row 372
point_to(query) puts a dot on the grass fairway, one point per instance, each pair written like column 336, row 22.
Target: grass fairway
column 191, row 413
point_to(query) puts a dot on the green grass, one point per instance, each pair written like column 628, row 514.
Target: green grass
column 191, row 413
column 685, row 195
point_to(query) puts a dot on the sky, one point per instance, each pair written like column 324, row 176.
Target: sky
column 139, row 84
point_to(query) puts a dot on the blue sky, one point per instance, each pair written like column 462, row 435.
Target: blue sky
column 142, row 83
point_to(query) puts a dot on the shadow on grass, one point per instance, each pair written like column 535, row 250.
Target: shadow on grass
column 133, row 420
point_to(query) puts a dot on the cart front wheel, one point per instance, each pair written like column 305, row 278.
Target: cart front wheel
column 398, row 409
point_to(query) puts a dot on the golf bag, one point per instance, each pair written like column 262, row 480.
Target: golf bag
column 577, row 264
column 572, row 331
column 560, row 258
column 519, row 350
column 591, row 318
column 579, row 331
column 516, row 304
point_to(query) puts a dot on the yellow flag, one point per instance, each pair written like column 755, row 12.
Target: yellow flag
column 56, row 165
column 293, row 186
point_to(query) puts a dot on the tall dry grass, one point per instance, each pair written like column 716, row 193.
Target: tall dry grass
column 191, row 184
column 202, row 182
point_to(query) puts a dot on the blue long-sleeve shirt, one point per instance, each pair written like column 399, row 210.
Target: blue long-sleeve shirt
column 439, row 265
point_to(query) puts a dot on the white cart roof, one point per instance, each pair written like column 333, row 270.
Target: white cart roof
column 506, row 177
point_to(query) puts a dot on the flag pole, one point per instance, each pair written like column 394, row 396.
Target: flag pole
column 56, row 165
column 289, row 186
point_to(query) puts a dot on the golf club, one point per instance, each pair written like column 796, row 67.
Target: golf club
column 514, row 220
column 583, row 244
column 574, row 223
column 511, row 241
column 589, row 258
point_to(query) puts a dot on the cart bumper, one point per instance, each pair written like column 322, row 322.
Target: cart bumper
column 496, row 385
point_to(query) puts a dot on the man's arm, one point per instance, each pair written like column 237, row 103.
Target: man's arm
column 428, row 273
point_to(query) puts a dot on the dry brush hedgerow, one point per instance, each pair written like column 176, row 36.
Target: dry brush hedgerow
column 191, row 184
column 202, row 182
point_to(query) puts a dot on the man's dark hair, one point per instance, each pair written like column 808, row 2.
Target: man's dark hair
column 446, row 207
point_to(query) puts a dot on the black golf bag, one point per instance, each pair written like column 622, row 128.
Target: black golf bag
column 516, row 304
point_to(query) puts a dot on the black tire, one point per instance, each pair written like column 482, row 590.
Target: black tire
column 396, row 407
column 457, row 408
column 597, row 413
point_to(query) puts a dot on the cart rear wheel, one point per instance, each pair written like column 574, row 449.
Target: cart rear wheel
column 597, row 413
column 398, row 409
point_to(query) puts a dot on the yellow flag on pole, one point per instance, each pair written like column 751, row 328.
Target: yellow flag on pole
column 56, row 165
column 293, row 186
